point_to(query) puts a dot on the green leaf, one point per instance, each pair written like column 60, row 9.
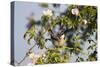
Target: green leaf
column 40, row 61
column 91, row 47
column 44, row 19
column 25, row 35
column 44, row 5
column 77, row 44
column 30, row 37
column 76, row 37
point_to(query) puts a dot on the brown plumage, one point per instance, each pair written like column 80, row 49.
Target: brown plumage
column 57, row 40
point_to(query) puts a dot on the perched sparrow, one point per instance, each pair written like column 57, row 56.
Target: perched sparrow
column 57, row 40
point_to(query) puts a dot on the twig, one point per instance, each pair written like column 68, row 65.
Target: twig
column 26, row 55
column 22, row 60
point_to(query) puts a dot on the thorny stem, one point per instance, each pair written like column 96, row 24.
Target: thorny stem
column 26, row 55
column 22, row 60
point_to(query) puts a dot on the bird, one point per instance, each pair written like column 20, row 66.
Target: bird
column 58, row 40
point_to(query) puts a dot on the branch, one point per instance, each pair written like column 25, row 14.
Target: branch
column 26, row 55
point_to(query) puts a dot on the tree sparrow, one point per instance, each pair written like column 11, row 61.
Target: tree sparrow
column 57, row 40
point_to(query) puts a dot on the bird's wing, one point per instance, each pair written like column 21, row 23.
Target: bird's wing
column 54, row 37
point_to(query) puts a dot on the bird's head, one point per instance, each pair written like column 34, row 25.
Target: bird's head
column 62, row 36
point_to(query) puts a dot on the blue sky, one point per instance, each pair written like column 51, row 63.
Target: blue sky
column 22, row 11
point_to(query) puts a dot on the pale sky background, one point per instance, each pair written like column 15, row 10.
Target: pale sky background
column 22, row 11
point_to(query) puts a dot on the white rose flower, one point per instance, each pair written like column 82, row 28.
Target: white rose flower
column 37, row 55
column 31, row 56
column 75, row 11
column 48, row 12
column 85, row 21
column 44, row 55
column 34, row 57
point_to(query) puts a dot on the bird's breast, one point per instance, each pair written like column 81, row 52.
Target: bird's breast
column 58, row 43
